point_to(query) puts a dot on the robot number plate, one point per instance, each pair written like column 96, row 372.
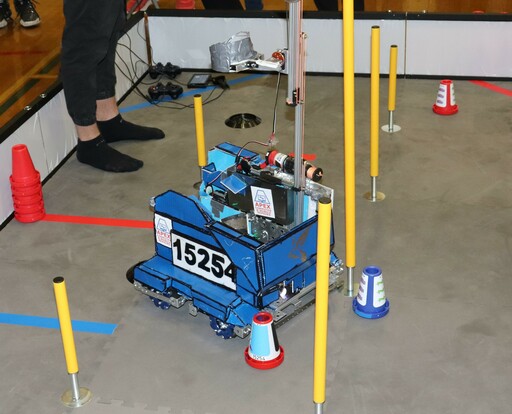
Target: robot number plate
column 203, row 261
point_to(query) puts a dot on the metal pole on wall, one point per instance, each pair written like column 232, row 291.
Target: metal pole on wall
column 76, row 397
column 321, row 302
column 393, row 58
column 350, row 163
column 201, row 147
column 373, row 195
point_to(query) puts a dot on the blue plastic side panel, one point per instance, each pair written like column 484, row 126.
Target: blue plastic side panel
column 177, row 206
column 292, row 250
column 289, row 251
column 162, row 275
column 243, row 252
column 194, row 234
column 156, row 277
column 220, row 159
column 177, row 213
column 234, row 149
column 241, row 314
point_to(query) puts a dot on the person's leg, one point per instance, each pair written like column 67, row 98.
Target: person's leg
column 254, row 4
column 85, row 43
column 327, row 5
column 5, row 13
column 222, row 4
column 332, row 5
column 86, row 40
column 27, row 13
column 110, row 123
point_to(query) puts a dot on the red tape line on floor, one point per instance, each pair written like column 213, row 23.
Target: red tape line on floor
column 99, row 221
column 492, row 87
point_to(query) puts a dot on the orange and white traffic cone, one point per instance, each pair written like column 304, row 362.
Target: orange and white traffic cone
column 445, row 102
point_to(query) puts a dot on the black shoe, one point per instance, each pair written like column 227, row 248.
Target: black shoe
column 27, row 12
column 5, row 13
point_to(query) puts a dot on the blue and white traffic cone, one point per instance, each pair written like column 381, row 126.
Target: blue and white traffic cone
column 371, row 302
column 264, row 351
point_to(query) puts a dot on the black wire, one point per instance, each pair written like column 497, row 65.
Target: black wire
column 274, row 121
column 161, row 103
column 237, row 157
column 132, row 74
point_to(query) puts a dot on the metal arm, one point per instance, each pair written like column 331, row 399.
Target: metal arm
column 290, row 61
column 296, row 95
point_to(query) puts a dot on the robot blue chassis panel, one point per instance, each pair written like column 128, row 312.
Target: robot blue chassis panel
column 227, row 273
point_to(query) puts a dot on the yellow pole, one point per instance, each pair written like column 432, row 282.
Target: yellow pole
column 350, row 167
column 393, row 57
column 322, row 299
column 201, row 148
column 61, row 297
column 76, row 396
column 374, row 103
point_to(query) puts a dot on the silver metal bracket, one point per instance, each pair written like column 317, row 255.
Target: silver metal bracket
column 175, row 300
column 280, row 309
column 242, row 331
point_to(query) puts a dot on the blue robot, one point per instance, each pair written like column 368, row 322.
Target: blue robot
column 235, row 249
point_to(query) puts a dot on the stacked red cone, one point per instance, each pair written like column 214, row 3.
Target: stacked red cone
column 27, row 192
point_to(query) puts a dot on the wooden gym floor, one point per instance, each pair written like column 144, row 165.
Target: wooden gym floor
column 30, row 57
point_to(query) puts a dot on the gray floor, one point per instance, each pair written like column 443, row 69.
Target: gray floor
column 443, row 237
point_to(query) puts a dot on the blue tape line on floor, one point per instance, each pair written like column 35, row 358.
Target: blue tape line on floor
column 53, row 323
column 191, row 92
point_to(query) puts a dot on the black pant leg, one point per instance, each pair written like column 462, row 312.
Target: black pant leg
column 223, row 4
column 89, row 32
column 332, row 5
column 328, row 5
column 106, row 71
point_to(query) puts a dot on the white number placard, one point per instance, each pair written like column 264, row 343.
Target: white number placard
column 203, row 261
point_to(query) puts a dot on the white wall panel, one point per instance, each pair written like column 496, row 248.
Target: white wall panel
column 437, row 48
column 459, row 48
column 325, row 44
column 58, row 132
column 131, row 59
column 185, row 41
column 324, row 40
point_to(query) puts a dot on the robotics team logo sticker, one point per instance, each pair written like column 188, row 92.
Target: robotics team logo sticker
column 163, row 227
column 262, row 202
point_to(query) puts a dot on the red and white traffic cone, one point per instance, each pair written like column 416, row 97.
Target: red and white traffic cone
column 445, row 102
column 264, row 351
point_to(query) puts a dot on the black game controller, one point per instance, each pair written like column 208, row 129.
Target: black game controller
column 220, row 81
column 158, row 90
column 168, row 69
